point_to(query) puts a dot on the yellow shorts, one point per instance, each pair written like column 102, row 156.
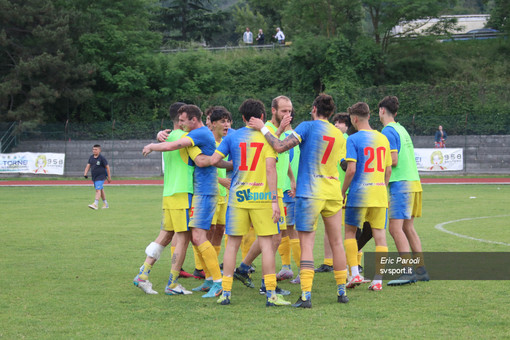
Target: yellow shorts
column 307, row 211
column 175, row 220
column 405, row 205
column 376, row 216
column 239, row 221
column 220, row 215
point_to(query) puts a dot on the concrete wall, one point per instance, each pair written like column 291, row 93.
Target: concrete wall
column 483, row 154
column 124, row 157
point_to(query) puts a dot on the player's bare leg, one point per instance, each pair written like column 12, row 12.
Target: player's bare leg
column 333, row 229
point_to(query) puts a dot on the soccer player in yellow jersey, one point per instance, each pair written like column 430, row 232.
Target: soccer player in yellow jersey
column 367, row 176
column 205, row 189
column 253, row 200
column 281, row 106
column 177, row 190
column 405, row 192
column 318, row 190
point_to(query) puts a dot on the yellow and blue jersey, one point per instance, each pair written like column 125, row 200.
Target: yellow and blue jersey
column 248, row 149
column 205, row 180
column 320, row 144
column 371, row 151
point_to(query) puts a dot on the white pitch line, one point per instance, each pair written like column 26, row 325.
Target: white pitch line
column 440, row 227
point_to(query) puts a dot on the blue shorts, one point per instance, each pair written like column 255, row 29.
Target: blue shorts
column 405, row 205
column 98, row 185
column 289, row 213
column 202, row 211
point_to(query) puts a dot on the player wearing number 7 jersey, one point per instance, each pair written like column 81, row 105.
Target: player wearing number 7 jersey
column 318, row 190
column 368, row 172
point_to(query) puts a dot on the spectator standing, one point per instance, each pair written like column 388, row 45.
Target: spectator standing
column 248, row 37
column 260, row 37
column 440, row 138
column 279, row 36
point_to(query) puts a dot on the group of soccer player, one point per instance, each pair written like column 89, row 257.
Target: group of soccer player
column 275, row 182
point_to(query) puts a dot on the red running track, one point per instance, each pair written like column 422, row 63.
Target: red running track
column 460, row 180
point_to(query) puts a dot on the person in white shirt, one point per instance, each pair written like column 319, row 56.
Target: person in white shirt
column 279, row 36
column 248, row 36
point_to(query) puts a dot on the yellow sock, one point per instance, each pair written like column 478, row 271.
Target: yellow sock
column 406, row 259
column 306, row 276
column 351, row 251
column 284, row 250
column 380, row 251
column 174, row 275
column 210, row 259
column 421, row 260
column 198, row 262
column 270, row 281
column 340, row 276
column 227, row 283
column 144, row 271
column 172, row 249
column 217, row 249
column 296, row 250
column 203, row 266
column 328, row 262
column 360, row 255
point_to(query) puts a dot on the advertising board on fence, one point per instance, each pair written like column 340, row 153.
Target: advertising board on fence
column 34, row 163
column 439, row 159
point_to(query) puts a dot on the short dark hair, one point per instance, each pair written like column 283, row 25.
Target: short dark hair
column 191, row 111
column 252, row 108
column 342, row 117
column 218, row 113
column 324, row 104
column 359, row 109
column 390, row 103
column 97, row 146
column 276, row 101
column 174, row 110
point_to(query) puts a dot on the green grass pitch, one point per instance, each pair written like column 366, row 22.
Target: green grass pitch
column 67, row 272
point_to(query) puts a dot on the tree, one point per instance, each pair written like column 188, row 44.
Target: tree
column 386, row 14
column 183, row 19
column 500, row 16
column 323, row 17
column 115, row 37
column 41, row 75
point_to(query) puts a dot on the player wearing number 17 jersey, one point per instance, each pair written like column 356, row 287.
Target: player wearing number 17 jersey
column 318, row 190
column 252, row 199
column 367, row 176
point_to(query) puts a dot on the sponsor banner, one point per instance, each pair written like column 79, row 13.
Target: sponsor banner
column 439, row 159
column 33, row 163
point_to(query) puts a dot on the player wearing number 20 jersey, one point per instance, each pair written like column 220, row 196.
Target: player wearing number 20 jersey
column 371, row 151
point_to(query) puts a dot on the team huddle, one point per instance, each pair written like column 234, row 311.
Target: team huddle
column 273, row 181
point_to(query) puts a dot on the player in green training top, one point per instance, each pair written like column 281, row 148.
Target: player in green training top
column 177, row 191
column 405, row 192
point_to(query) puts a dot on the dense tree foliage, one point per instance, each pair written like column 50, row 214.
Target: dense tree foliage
column 101, row 61
column 41, row 70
